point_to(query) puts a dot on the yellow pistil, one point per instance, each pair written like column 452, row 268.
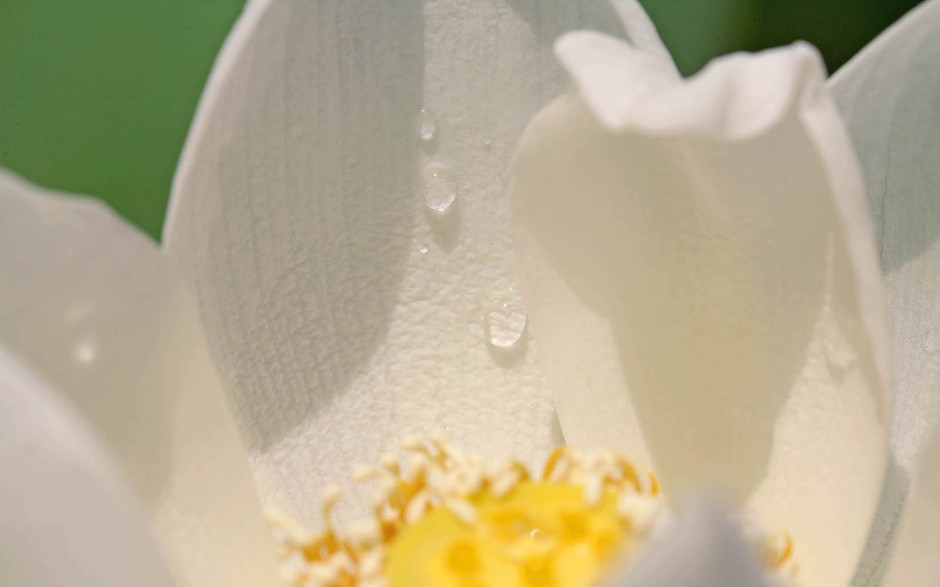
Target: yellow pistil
column 446, row 519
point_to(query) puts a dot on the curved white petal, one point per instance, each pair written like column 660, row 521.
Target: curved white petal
column 916, row 556
column 703, row 550
column 702, row 262
column 68, row 516
column 889, row 96
column 93, row 306
column 343, row 311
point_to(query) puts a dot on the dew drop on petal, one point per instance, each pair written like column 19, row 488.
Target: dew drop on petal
column 440, row 188
column 426, row 125
column 422, row 247
column 487, row 140
column 504, row 321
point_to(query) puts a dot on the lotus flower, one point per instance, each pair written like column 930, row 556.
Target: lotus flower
column 696, row 261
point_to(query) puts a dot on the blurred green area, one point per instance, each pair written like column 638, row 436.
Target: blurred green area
column 698, row 30
column 96, row 95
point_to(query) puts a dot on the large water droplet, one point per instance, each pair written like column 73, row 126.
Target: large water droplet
column 422, row 247
column 931, row 342
column 505, row 321
column 426, row 125
column 440, row 189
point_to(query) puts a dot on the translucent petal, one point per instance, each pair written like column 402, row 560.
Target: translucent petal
column 703, row 550
column 351, row 253
column 91, row 304
column 69, row 518
column 889, row 96
column 699, row 264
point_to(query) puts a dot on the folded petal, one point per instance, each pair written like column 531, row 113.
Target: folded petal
column 703, row 550
column 698, row 261
column 69, row 518
column 889, row 96
column 92, row 305
column 341, row 210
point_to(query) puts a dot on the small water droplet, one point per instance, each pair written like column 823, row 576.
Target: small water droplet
column 487, row 140
column 931, row 342
column 504, row 323
column 422, row 247
column 440, row 189
column 426, row 125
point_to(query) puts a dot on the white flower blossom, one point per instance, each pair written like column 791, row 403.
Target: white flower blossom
column 365, row 191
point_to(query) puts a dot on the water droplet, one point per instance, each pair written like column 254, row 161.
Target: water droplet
column 504, row 323
column 422, row 247
column 931, row 342
column 440, row 189
column 487, row 140
column 426, row 125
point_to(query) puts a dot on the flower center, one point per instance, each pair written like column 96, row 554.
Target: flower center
column 445, row 519
column 539, row 533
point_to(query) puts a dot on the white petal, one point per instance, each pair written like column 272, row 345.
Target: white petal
column 92, row 305
column 916, row 557
column 705, row 266
column 345, row 312
column 703, row 550
column 889, row 96
column 68, row 516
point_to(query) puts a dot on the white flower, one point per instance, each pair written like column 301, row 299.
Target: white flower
column 704, row 242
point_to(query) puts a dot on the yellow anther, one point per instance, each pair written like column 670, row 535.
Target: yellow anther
column 593, row 489
column 504, row 483
column 778, row 549
column 446, row 519
column 629, row 474
column 390, row 462
column 464, row 510
column 363, row 473
column 329, row 499
column 412, row 443
column 556, row 460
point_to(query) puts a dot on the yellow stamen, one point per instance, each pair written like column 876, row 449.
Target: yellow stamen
column 446, row 519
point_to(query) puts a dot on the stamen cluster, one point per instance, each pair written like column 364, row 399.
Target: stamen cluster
column 442, row 517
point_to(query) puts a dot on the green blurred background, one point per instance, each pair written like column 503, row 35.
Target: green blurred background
column 96, row 95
